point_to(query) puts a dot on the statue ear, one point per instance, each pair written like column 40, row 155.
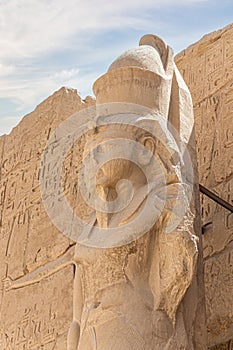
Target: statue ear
column 173, row 266
column 149, row 144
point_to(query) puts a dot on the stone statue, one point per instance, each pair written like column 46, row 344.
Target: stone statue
column 141, row 293
column 132, row 294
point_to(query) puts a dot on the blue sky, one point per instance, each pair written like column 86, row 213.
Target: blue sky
column 46, row 44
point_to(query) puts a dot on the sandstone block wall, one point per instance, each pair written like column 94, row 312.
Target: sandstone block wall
column 207, row 68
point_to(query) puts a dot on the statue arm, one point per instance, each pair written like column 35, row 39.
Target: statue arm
column 173, row 266
column 74, row 331
column 42, row 272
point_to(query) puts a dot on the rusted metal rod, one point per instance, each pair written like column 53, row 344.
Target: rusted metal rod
column 215, row 198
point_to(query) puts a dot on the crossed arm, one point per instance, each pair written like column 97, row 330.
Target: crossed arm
column 46, row 271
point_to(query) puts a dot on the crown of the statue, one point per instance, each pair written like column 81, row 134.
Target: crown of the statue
column 141, row 75
column 150, row 55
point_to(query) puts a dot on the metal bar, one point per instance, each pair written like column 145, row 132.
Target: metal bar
column 215, row 198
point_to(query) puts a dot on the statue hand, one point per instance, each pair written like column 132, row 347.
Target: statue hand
column 7, row 283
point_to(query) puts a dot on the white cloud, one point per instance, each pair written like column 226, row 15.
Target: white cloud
column 29, row 92
column 31, row 30
column 66, row 74
column 6, row 69
column 26, row 91
column 8, row 123
column 30, row 27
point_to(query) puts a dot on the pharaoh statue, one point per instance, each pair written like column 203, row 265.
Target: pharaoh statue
column 144, row 292
column 138, row 295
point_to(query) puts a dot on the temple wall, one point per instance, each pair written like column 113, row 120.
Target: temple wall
column 36, row 316
column 207, row 68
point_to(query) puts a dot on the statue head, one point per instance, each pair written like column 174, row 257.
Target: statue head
column 144, row 81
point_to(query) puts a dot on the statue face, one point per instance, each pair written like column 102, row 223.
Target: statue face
column 112, row 155
column 101, row 150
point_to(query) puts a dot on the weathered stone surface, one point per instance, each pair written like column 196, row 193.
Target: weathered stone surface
column 207, row 69
column 225, row 346
column 156, row 275
column 37, row 315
